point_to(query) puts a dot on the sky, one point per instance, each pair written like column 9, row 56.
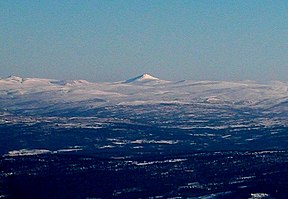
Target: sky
column 119, row 39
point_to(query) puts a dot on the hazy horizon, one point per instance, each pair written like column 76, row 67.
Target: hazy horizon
column 106, row 41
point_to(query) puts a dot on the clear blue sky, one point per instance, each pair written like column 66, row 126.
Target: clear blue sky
column 115, row 40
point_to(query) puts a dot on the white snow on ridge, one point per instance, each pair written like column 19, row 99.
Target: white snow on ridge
column 144, row 89
column 70, row 82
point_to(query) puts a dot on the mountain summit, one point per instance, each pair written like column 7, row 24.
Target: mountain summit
column 142, row 78
column 15, row 79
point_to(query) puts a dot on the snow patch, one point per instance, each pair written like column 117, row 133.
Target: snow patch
column 145, row 163
column 27, row 152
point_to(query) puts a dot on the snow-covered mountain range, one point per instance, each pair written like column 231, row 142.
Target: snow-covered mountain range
column 30, row 94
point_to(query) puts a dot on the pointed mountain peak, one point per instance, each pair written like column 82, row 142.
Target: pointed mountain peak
column 143, row 78
column 148, row 76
